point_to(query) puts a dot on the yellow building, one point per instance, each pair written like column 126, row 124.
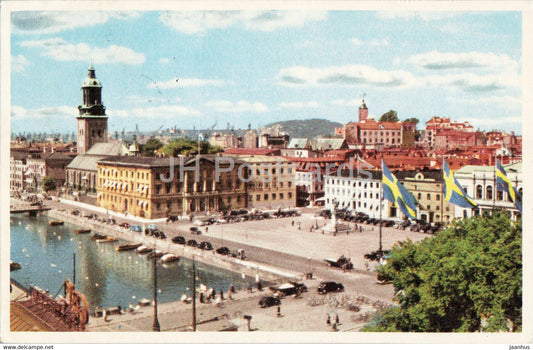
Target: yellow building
column 426, row 187
column 270, row 181
column 152, row 187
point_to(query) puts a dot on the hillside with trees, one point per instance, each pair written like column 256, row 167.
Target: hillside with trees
column 308, row 127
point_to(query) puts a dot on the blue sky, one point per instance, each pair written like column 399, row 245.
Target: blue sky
column 198, row 68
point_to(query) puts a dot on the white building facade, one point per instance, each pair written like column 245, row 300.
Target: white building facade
column 358, row 194
column 480, row 184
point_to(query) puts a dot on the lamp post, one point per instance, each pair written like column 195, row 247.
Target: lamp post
column 193, row 295
column 155, row 324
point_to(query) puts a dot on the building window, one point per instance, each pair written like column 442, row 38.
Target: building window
column 266, row 196
column 419, row 195
column 281, row 196
column 489, row 192
column 273, row 196
column 290, row 194
column 429, row 196
column 479, row 192
column 438, row 197
column 499, row 195
column 258, row 197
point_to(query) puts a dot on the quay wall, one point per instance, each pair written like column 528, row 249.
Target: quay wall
column 248, row 268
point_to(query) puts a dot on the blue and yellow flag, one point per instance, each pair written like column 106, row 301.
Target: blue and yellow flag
column 394, row 192
column 452, row 190
column 504, row 184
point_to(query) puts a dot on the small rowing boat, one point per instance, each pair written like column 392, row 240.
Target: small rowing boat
column 107, row 240
column 130, row 246
column 169, row 258
column 83, row 231
column 143, row 250
column 13, row 266
column 98, row 236
column 157, row 254
column 55, row 223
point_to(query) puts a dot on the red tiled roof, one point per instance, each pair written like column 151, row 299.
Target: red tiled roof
column 253, row 151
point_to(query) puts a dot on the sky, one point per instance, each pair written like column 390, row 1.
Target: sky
column 197, row 68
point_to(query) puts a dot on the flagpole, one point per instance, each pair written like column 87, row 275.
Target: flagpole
column 380, row 218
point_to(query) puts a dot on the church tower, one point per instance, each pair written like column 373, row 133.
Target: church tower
column 92, row 121
column 363, row 111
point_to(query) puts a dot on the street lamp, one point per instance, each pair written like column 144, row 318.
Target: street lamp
column 155, row 324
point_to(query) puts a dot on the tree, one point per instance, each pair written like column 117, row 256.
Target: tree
column 468, row 278
column 48, row 184
column 390, row 116
column 150, row 147
column 412, row 120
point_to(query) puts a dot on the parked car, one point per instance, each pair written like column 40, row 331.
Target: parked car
column 192, row 243
column 223, row 251
column 342, row 262
column 125, row 225
column 289, row 288
column 75, row 212
column 136, row 228
column 329, row 286
column 205, row 246
column 200, row 222
column 195, row 230
column 172, row 219
column 151, row 227
column 269, row 301
column 179, row 240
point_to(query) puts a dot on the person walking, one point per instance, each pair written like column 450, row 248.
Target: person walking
column 279, row 311
column 328, row 320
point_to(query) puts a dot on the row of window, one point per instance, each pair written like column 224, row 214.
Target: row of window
column 382, row 133
column 269, row 196
column 392, row 141
column 363, row 184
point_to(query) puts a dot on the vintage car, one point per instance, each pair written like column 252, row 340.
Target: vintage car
column 205, row 246
column 269, row 301
column 329, row 286
column 179, row 240
column 342, row 262
column 223, row 251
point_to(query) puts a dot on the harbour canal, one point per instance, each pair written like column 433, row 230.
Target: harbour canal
column 107, row 278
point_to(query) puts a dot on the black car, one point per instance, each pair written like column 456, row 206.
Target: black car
column 179, row 240
column 205, row 246
column 195, row 230
column 192, row 243
column 172, row 219
column 329, row 286
column 269, row 301
column 223, row 251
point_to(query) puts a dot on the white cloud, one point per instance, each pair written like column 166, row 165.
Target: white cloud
column 185, row 82
column 164, row 60
column 48, row 22
column 435, row 60
column 507, row 121
column 308, row 104
column 18, row 63
column 346, row 103
column 508, row 102
column 423, row 15
column 473, row 82
column 199, row 22
column 237, row 107
column 59, row 50
column 373, row 42
column 51, row 114
column 156, row 112
column 344, row 75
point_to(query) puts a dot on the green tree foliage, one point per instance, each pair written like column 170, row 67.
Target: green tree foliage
column 468, row 278
column 390, row 116
column 151, row 147
column 48, row 184
column 412, row 120
column 184, row 146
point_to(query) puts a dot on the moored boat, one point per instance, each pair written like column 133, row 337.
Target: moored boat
column 157, row 254
column 56, row 223
column 143, row 250
column 107, row 240
column 98, row 236
column 83, row 231
column 13, row 266
column 129, row 246
column 169, row 258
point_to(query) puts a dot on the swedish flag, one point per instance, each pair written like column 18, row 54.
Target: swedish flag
column 453, row 192
column 394, row 192
column 504, row 184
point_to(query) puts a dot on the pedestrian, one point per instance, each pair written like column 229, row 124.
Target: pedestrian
column 206, row 229
column 213, row 293
column 221, row 294
column 259, row 286
column 279, row 311
column 328, row 320
column 232, row 288
column 292, row 222
column 337, row 319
